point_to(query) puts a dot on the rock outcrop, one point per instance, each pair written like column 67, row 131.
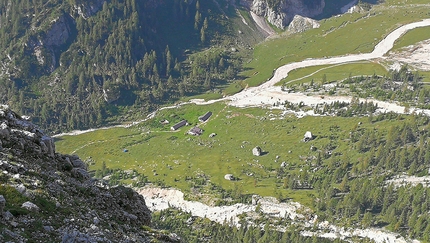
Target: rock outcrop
column 41, row 187
column 229, row 177
column 281, row 14
column 308, row 136
column 301, row 24
column 46, row 46
column 256, row 151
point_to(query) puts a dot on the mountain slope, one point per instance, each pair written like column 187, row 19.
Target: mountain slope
column 46, row 196
column 74, row 64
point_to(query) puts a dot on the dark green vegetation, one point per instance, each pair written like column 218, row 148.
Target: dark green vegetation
column 193, row 229
column 75, row 68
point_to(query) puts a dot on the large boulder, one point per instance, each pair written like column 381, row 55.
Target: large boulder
column 49, row 145
column 30, row 206
column 308, row 136
column 256, row 151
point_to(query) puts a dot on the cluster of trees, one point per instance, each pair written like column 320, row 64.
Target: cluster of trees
column 345, row 109
column 399, row 85
column 133, row 54
column 353, row 189
column 351, row 185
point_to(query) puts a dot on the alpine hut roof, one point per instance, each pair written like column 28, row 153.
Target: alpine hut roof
column 205, row 117
column 179, row 125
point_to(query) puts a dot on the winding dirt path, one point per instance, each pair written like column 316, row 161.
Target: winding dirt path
column 263, row 95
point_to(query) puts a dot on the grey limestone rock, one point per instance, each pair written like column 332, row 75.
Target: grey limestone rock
column 30, row 206
column 283, row 13
column 2, row 204
column 301, row 24
column 256, row 151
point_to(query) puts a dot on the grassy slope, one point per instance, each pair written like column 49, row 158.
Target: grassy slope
column 333, row 72
column 346, row 34
column 412, row 37
column 175, row 155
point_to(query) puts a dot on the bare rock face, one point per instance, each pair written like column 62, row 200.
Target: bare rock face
column 301, row 24
column 46, row 46
column 49, row 181
column 280, row 15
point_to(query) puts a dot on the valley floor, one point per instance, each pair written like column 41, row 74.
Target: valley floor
column 267, row 95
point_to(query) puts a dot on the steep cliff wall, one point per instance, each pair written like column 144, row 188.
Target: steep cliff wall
column 47, row 44
column 281, row 13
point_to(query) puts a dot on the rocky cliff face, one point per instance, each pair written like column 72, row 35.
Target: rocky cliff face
column 281, row 14
column 48, row 44
column 50, row 197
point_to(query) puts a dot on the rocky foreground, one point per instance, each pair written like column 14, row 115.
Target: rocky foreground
column 50, row 197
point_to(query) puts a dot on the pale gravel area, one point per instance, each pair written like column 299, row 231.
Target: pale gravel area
column 261, row 22
column 416, row 56
column 403, row 180
column 160, row 199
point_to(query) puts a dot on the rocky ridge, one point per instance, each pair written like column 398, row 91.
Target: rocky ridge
column 45, row 195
